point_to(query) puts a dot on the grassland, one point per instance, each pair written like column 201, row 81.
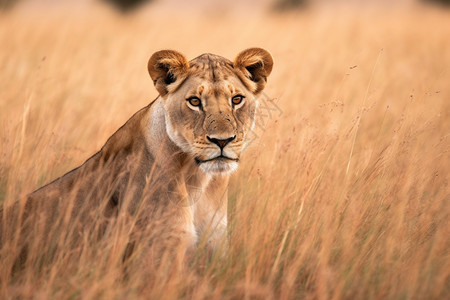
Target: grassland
column 344, row 195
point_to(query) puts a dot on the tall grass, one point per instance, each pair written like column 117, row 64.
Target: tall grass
column 344, row 195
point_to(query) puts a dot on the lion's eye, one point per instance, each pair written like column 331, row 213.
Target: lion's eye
column 236, row 100
column 194, row 101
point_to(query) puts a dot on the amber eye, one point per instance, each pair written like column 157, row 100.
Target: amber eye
column 237, row 99
column 194, row 101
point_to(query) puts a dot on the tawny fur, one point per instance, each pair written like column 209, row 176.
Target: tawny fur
column 156, row 167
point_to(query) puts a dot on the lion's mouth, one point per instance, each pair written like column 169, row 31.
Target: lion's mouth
column 217, row 158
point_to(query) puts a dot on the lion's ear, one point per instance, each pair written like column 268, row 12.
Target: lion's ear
column 167, row 67
column 256, row 65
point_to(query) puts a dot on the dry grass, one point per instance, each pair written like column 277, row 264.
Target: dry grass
column 344, row 195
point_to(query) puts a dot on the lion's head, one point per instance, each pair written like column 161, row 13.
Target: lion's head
column 210, row 102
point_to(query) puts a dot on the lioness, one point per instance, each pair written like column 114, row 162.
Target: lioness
column 171, row 161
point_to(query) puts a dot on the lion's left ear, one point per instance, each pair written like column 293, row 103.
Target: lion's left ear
column 167, row 67
column 256, row 65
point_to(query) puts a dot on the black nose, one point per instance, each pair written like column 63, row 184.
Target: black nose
column 221, row 142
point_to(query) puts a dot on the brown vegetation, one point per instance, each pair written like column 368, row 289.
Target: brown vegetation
column 344, row 194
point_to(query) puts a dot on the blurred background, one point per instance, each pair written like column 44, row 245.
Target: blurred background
column 129, row 5
column 360, row 148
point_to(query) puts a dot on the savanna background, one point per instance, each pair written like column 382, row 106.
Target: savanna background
column 344, row 193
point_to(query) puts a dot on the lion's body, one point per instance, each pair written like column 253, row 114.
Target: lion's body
column 162, row 166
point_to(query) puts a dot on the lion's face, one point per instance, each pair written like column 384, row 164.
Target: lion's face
column 209, row 120
column 210, row 103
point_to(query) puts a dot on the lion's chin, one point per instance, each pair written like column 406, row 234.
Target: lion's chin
column 219, row 166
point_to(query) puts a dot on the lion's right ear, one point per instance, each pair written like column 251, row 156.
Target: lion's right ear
column 167, row 67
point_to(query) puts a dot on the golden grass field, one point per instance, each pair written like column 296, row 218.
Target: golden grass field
column 344, row 195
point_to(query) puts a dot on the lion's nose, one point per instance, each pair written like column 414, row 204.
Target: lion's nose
column 221, row 142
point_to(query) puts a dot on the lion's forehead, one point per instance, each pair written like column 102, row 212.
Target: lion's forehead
column 213, row 76
column 208, row 89
column 211, row 68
